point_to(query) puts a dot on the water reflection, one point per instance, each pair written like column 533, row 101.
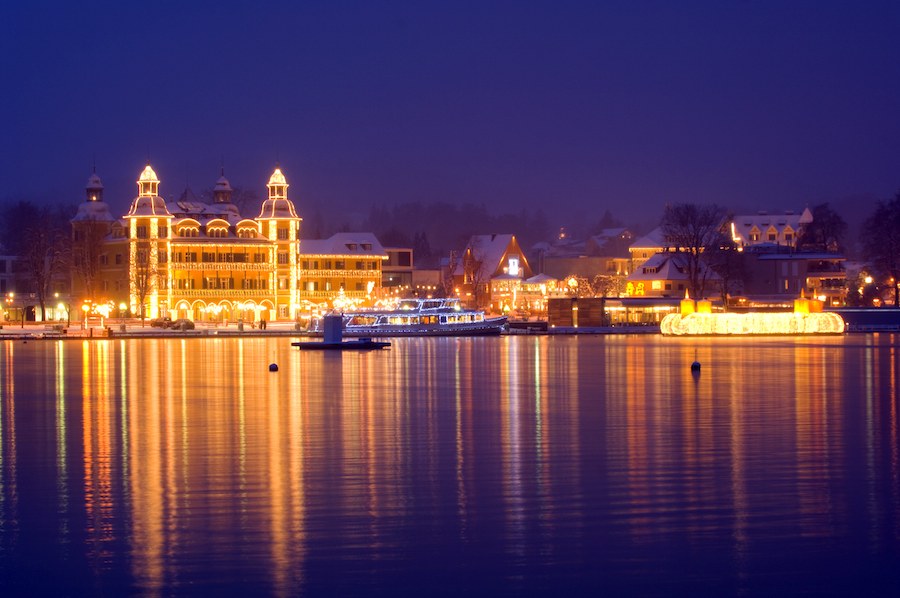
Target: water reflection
column 515, row 463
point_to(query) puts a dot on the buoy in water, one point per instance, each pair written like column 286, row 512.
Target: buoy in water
column 695, row 367
column 273, row 367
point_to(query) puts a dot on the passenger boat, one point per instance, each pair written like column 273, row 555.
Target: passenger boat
column 422, row 317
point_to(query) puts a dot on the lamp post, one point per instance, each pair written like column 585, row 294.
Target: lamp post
column 85, row 308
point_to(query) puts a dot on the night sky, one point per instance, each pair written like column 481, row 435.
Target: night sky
column 580, row 106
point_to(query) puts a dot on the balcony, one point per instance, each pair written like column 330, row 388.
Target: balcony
column 223, row 293
column 373, row 274
column 233, row 266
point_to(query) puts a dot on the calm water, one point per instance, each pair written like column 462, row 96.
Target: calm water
column 514, row 465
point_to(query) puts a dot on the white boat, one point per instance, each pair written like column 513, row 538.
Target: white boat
column 422, row 317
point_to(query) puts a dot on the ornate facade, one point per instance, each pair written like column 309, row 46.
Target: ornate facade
column 196, row 260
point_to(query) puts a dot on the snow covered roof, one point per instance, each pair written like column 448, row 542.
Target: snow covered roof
column 222, row 184
column 666, row 265
column 148, row 176
column 763, row 223
column 94, row 183
column 278, row 208
column 93, row 211
column 653, row 239
column 361, row 244
column 148, row 205
column 277, row 178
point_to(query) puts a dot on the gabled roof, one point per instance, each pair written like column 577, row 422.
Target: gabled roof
column 362, row 244
column 489, row 249
column 764, row 221
column 653, row 239
column 667, row 265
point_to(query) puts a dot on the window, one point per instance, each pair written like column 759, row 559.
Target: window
column 282, row 234
column 513, row 268
column 163, row 232
column 141, row 232
column 360, row 265
column 773, row 236
column 339, row 265
column 282, row 283
column 104, row 260
column 282, row 258
column 163, row 257
column 118, row 259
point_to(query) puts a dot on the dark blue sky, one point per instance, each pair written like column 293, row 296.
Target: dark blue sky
column 621, row 106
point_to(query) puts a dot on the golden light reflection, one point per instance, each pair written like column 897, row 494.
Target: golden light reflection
column 214, row 449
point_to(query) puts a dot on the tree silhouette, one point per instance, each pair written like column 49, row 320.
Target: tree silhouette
column 881, row 242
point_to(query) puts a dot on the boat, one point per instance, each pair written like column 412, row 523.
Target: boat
column 422, row 317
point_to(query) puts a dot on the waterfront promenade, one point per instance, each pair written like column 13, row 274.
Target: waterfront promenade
column 134, row 329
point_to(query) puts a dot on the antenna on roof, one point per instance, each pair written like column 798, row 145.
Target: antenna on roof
column 94, row 164
column 222, row 166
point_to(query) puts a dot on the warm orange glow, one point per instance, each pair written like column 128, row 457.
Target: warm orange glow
column 751, row 323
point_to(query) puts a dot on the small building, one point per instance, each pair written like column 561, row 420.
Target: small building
column 666, row 274
column 346, row 266
column 488, row 257
column 397, row 270
column 778, row 274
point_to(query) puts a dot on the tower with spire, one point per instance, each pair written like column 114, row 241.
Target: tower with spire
column 280, row 224
column 148, row 248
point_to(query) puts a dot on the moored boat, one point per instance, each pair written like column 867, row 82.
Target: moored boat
column 422, row 317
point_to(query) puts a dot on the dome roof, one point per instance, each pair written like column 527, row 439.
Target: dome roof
column 222, row 184
column 94, row 182
column 277, row 178
column 148, row 176
column 148, row 205
column 93, row 211
column 278, row 208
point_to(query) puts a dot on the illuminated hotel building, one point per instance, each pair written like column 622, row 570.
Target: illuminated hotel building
column 206, row 262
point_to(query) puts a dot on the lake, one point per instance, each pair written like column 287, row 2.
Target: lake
column 518, row 465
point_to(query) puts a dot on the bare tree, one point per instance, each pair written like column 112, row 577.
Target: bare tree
column 87, row 245
column 691, row 229
column 42, row 260
column 448, row 275
column 143, row 279
column 476, row 275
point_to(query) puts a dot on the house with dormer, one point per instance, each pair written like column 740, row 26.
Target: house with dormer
column 666, row 274
column 489, row 266
column 748, row 230
column 347, row 265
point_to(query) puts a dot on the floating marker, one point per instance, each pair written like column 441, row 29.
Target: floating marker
column 273, row 367
column 695, row 367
